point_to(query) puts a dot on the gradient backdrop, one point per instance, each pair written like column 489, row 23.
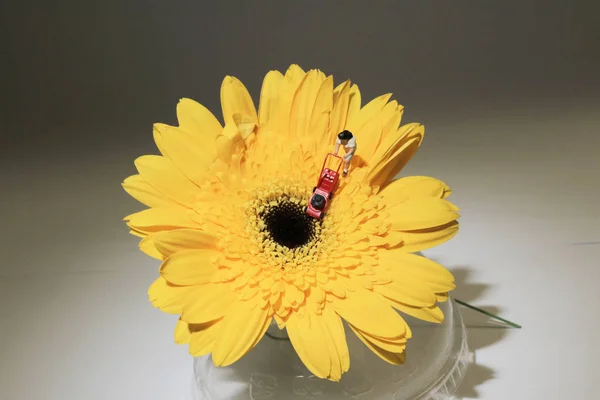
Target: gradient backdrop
column 509, row 93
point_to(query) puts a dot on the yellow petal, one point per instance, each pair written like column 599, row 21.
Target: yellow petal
column 414, row 186
column 333, row 324
column 230, row 143
column 310, row 344
column 348, row 262
column 392, row 239
column 167, row 297
column 137, row 233
column 198, row 120
column 294, row 74
column 157, row 134
column 235, row 99
column 437, row 284
column 240, row 330
column 429, row 314
column 203, row 337
column 319, row 118
column 341, row 101
column 441, row 297
column 206, row 303
column 245, row 124
column 367, row 125
column 415, row 279
column 396, row 345
column 170, row 242
column 393, row 153
column 370, row 111
column 148, row 247
column 302, row 106
column 354, row 102
column 327, row 326
column 335, row 366
column 401, row 263
column 160, row 219
column 392, row 358
column 370, row 313
column 393, row 168
column 279, row 120
column 336, row 287
column 391, row 115
column 189, row 267
column 422, row 213
column 368, row 137
column 269, row 97
column 182, row 333
column 163, row 175
column 407, row 291
column 191, row 158
column 418, row 240
column 145, row 193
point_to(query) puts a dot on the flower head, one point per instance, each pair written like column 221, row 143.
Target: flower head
column 227, row 218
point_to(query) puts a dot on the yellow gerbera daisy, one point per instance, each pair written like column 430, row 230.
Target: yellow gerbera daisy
column 227, row 218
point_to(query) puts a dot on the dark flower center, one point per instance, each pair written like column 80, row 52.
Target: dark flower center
column 288, row 224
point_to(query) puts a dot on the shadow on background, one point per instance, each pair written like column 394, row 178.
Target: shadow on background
column 482, row 330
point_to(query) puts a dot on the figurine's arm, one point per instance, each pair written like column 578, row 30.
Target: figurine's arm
column 337, row 148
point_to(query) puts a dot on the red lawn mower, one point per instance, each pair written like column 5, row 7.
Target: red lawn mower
column 323, row 192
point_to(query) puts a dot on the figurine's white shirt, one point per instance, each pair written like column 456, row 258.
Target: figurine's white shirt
column 350, row 145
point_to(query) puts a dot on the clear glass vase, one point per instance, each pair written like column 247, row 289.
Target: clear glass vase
column 436, row 359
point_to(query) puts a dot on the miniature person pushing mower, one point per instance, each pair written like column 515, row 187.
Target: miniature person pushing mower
column 346, row 139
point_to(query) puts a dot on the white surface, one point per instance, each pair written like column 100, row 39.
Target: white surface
column 75, row 322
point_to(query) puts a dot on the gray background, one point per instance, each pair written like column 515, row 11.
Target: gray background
column 111, row 68
column 508, row 92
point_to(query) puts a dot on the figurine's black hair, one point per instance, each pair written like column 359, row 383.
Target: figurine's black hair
column 318, row 202
column 345, row 135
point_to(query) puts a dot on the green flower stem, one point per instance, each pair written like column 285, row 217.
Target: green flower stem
column 479, row 310
column 514, row 325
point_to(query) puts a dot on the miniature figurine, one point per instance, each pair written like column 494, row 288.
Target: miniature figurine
column 348, row 140
column 323, row 192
